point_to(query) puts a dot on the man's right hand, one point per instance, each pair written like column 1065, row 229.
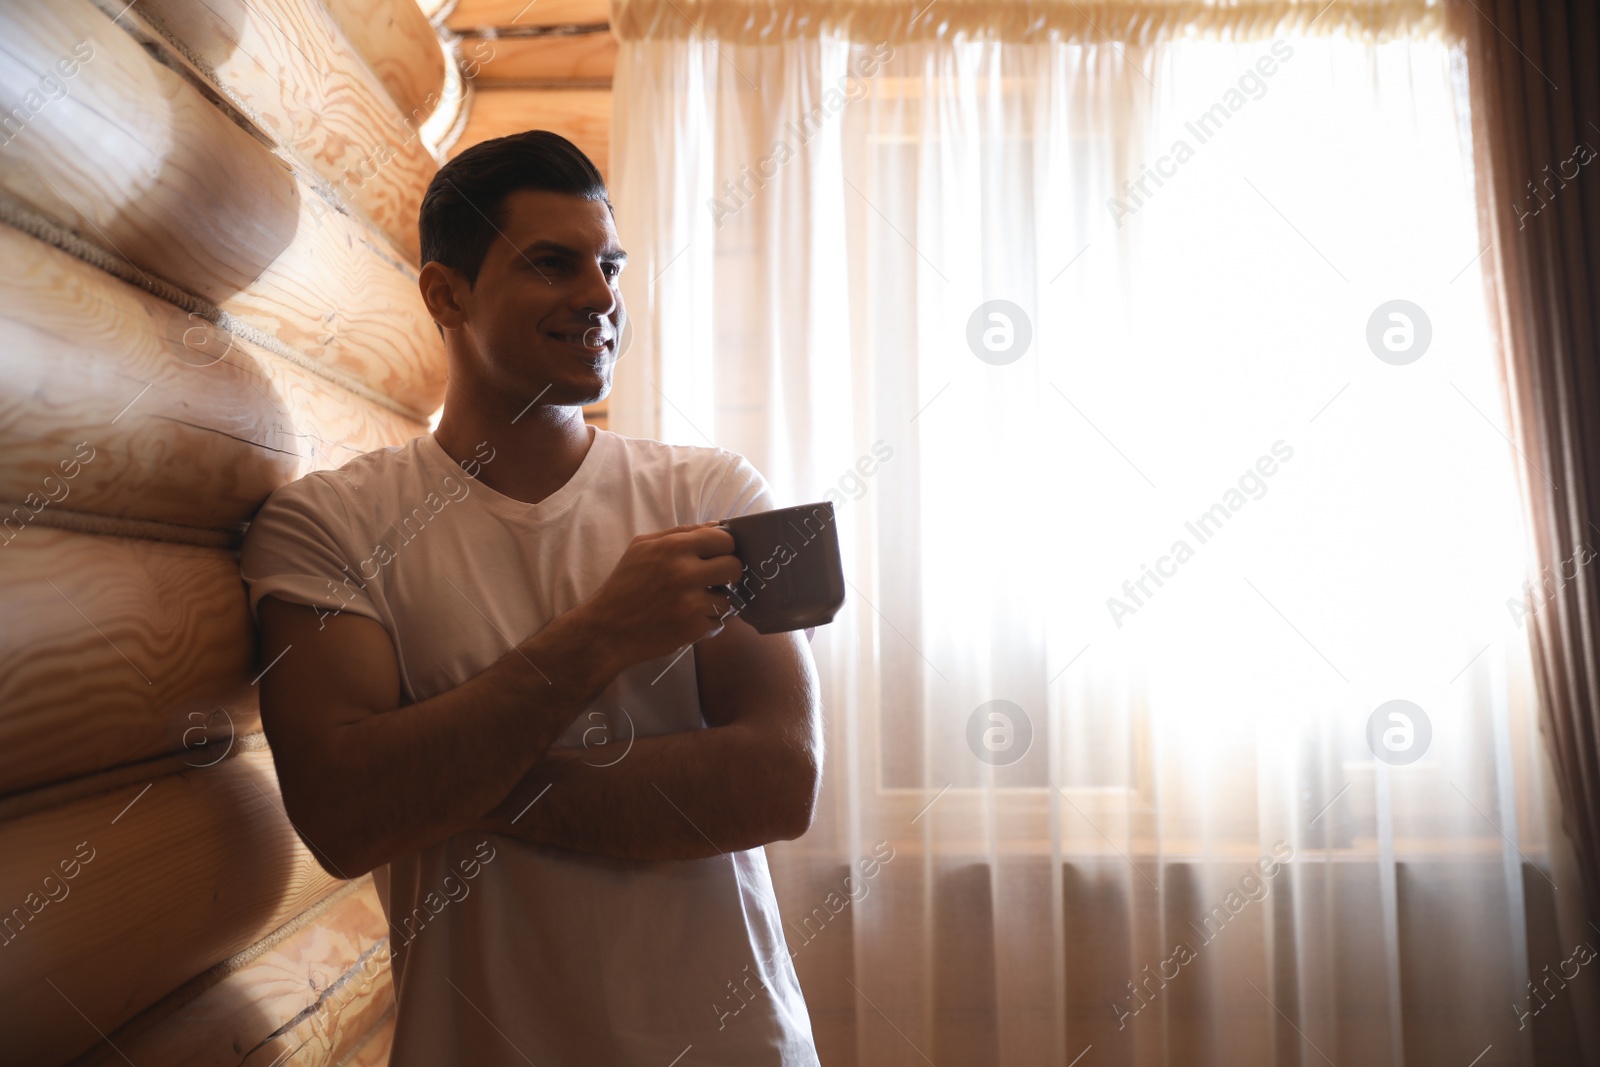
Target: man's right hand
column 658, row 599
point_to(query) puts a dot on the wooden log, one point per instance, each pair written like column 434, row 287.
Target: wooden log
column 135, row 160
column 588, row 57
column 349, row 1045
column 311, row 997
column 169, row 418
column 472, row 14
column 400, row 46
column 582, row 116
column 114, row 649
column 111, row 902
column 375, row 1047
column 291, row 66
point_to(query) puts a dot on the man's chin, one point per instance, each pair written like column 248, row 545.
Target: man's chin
column 576, row 391
column 601, row 387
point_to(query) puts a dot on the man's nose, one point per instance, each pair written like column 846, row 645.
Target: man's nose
column 598, row 294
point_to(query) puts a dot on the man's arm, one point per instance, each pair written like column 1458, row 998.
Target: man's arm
column 365, row 780
column 749, row 778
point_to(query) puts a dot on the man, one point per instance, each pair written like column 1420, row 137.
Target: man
column 481, row 687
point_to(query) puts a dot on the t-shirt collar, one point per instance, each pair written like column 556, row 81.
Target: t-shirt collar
column 594, row 460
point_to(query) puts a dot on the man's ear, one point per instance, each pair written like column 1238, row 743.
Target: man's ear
column 443, row 291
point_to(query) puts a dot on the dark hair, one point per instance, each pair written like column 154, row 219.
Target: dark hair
column 464, row 205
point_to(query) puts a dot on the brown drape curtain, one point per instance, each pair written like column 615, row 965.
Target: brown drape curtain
column 1535, row 96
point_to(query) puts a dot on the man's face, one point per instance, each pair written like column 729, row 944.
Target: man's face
column 545, row 316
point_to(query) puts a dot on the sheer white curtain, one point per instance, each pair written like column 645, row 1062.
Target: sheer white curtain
column 1148, row 505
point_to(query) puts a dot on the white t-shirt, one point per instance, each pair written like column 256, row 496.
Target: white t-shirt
column 507, row 952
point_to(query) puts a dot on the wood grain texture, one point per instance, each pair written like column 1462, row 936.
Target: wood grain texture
column 375, row 1047
column 310, row 999
column 185, row 423
column 112, row 649
column 561, row 57
column 582, row 116
column 400, row 46
column 291, row 65
column 137, row 161
column 200, row 866
column 469, row 14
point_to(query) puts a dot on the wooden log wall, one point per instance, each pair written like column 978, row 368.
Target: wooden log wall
column 544, row 65
column 209, row 212
column 208, row 217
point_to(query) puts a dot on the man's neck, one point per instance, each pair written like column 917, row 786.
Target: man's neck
column 535, row 454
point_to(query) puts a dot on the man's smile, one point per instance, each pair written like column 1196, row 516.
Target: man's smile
column 591, row 340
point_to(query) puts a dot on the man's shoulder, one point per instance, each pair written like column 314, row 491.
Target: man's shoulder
column 648, row 449
column 706, row 465
column 324, row 494
column 716, row 482
column 372, row 468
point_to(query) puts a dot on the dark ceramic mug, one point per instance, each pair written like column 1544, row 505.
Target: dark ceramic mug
column 793, row 577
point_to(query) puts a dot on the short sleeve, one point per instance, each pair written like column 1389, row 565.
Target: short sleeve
column 741, row 490
column 292, row 552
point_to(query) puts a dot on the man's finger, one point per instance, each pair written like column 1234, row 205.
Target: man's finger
column 707, row 540
column 721, row 606
column 717, row 570
column 688, row 527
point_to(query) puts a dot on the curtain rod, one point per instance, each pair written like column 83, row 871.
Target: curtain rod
column 1132, row 22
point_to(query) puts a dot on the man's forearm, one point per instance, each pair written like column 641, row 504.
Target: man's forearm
column 399, row 781
column 672, row 797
